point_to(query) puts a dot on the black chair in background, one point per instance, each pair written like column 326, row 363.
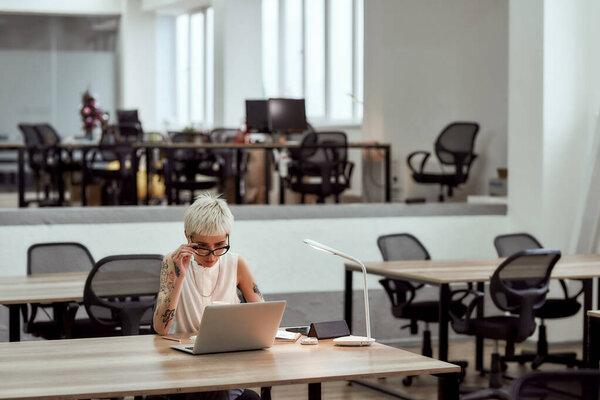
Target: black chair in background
column 66, row 163
column 45, row 258
column 454, row 147
column 402, row 293
column 190, row 169
column 115, row 165
column 519, row 285
column 129, row 126
column 320, row 166
column 564, row 307
column 44, row 162
column 583, row 384
column 120, row 292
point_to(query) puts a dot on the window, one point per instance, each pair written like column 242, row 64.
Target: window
column 313, row 49
column 194, row 72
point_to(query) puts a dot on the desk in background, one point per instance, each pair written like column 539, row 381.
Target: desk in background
column 144, row 365
column 16, row 291
column 239, row 148
column 443, row 273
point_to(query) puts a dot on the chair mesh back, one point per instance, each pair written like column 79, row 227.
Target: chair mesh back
column 122, row 278
column 523, row 272
column 401, row 246
column 314, row 147
column 558, row 385
column 456, row 138
column 49, row 136
column 507, row 245
column 30, row 136
column 222, row 135
column 58, row 257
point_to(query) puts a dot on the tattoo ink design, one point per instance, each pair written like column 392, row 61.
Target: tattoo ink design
column 177, row 270
column 171, row 282
column 257, row 291
column 163, row 277
column 168, row 315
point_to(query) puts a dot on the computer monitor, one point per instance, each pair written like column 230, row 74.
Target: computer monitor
column 257, row 118
column 287, row 115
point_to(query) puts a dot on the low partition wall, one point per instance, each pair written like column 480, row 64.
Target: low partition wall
column 270, row 238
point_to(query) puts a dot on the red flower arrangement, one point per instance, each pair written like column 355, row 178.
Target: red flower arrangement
column 90, row 112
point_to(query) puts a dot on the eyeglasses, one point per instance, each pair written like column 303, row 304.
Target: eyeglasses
column 202, row 252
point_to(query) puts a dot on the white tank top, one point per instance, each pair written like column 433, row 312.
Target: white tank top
column 201, row 287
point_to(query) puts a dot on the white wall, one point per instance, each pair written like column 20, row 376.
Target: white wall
column 46, row 86
column 238, row 58
column 273, row 248
column 137, row 59
column 428, row 63
column 62, row 7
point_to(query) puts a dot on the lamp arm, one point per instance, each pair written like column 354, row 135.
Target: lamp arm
column 365, row 292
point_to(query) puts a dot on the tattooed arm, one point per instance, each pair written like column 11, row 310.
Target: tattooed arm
column 172, row 273
column 246, row 282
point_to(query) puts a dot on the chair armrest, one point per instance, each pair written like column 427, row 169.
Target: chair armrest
column 462, row 324
column 412, row 155
column 348, row 168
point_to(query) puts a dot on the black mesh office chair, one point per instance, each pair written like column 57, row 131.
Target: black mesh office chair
column 454, row 147
column 183, row 167
column 45, row 258
column 583, row 384
column 519, row 285
column 115, row 165
column 564, row 307
column 120, row 292
column 320, row 166
column 129, row 126
column 404, row 246
column 43, row 161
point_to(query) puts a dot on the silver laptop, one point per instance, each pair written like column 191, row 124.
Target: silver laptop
column 236, row 327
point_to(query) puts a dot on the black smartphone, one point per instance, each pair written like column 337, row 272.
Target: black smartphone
column 300, row 329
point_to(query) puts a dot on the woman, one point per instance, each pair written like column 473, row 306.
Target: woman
column 200, row 272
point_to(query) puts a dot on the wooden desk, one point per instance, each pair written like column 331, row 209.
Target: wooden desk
column 443, row 273
column 63, row 287
column 593, row 343
column 143, row 365
column 148, row 146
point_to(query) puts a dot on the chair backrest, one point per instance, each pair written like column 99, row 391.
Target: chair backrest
column 223, row 135
column 127, row 116
column 583, row 384
column 48, row 134
column 43, row 258
column 120, row 285
column 455, row 144
column 34, row 144
column 319, row 147
column 401, row 246
column 31, row 136
column 520, row 285
column 515, row 242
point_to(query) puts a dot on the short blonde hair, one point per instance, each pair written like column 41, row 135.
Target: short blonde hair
column 209, row 215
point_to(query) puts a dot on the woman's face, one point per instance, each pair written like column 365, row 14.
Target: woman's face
column 203, row 244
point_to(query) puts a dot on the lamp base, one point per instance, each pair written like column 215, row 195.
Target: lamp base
column 353, row 341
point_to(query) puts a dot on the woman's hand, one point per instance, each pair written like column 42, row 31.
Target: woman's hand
column 181, row 259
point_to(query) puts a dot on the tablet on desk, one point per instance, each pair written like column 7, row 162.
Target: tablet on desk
column 236, row 327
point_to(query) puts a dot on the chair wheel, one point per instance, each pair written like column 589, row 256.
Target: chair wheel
column 407, row 381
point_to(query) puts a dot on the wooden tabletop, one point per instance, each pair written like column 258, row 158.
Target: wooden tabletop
column 580, row 266
column 68, row 286
column 594, row 313
column 42, row 288
column 141, row 365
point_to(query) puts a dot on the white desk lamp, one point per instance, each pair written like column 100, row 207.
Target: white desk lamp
column 349, row 340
